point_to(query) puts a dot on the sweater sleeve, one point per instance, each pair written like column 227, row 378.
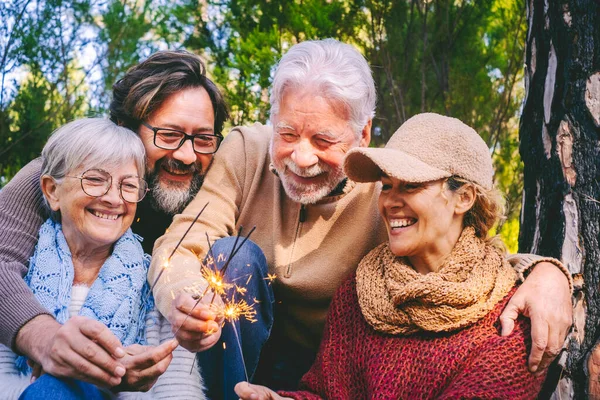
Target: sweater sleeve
column 22, row 212
column 222, row 190
column 524, row 263
column 497, row 369
column 332, row 376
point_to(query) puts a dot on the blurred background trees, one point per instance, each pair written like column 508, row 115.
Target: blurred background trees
column 59, row 58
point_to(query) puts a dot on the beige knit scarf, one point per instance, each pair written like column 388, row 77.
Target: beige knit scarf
column 395, row 299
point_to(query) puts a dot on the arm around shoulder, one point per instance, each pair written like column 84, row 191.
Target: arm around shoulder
column 22, row 212
column 497, row 370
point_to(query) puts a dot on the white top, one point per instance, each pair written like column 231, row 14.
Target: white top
column 78, row 296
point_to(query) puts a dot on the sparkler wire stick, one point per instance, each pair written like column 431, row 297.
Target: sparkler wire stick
column 188, row 230
column 210, row 251
column 228, row 260
column 234, row 251
column 241, row 352
column 172, row 253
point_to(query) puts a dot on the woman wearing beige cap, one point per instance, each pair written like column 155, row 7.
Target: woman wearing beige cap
column 419, row 319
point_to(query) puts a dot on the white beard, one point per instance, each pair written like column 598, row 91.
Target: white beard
column 311, row 193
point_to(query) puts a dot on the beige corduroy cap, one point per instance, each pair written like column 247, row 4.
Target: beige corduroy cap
column 425, row 148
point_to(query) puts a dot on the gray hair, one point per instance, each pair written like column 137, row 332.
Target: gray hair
column 91, row 143
column 337, row 70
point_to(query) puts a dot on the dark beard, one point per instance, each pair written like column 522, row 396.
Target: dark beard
column 173, row 199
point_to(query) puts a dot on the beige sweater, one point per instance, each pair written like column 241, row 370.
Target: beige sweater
column 311, row 257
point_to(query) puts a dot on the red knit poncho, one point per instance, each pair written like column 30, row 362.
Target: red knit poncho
column 357, row 362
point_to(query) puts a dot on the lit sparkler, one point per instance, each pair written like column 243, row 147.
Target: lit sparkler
column 214, row 278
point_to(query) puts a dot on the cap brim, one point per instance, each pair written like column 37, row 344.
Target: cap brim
column 364, row 164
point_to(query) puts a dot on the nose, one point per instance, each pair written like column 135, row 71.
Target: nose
column 304, row 155
column 185, row 153
column 113, row 196
column 393, row 200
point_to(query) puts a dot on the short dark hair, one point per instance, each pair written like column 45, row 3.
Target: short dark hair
column 147, row 85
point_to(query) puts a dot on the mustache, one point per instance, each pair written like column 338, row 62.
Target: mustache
column 177, row 166
column 309, row 172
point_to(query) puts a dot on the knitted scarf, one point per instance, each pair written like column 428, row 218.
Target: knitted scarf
column 116, row 296
column 395, row 299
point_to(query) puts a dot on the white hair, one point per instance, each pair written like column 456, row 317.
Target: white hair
column 334, row 69
column 91, row 143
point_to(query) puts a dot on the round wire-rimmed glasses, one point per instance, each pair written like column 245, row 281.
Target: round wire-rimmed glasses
column 96, row 182
column 172, row 139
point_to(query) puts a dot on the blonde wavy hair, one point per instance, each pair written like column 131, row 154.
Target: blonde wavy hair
column 489, row 208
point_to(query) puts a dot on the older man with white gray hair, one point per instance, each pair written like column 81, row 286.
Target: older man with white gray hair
column 313, row 225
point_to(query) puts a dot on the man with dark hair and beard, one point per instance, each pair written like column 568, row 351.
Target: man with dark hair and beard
column 167, row 99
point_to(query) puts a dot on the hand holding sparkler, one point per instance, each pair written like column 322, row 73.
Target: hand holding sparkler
column 196, row 326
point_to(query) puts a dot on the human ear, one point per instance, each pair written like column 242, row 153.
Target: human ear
column 50, row 191
column 365, row 136
column 466, row 196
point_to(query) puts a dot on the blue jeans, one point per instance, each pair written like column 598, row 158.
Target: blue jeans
column 49, row 387
column 222, row 366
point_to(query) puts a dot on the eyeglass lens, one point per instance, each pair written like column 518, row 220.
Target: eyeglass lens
column 97, row 183
column 171, row 140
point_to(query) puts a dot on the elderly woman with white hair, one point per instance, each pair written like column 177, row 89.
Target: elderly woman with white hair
column 88, row 264
column 419, row 318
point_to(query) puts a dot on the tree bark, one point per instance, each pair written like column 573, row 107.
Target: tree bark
column 559, row 133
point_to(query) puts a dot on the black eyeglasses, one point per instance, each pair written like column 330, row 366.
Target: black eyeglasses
column 97, row 182
column 172, row 139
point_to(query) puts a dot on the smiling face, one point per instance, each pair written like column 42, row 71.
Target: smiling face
column 424, row 220
column 176, row 175
column 91, row 222
column 311, row 137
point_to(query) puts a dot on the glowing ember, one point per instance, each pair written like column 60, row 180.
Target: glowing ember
column 234, row 310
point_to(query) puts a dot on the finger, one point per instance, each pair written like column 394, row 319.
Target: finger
column 192, row 326
column 200, row 311
column 209, row 341
column 84, row 370
column 539, row 339
column 142, row 378
column 553, row 348
column 36, row 372
column 100, row 334
column 153, row 355
column 135, row 349
column 97, row 356
column 508, row 318
column 245, row 391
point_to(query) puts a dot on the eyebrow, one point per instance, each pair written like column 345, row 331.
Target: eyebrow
column 328, row 134
column 284, row 125
column 203, row 129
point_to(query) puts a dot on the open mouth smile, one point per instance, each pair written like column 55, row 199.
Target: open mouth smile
column 98, row 214
column 402, row 222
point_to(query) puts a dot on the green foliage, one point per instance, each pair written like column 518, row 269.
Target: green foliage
column 456, row 57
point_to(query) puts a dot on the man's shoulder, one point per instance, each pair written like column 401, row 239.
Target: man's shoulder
column 249, row 143
column 256, row 135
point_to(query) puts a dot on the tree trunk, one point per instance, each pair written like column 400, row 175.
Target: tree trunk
column 559, row 133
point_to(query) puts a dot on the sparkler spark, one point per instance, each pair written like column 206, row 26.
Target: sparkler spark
column 270, row 277
column 234, row 310
column 215, row 280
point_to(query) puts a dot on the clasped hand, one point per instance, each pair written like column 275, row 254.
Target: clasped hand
column 87, row 350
